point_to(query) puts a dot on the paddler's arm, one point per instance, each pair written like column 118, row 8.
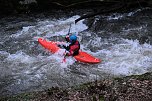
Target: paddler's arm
column 67, row 38
column 72, row 50
column 66, row 47
column 69, row 53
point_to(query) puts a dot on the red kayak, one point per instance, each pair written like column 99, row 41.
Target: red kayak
column 82, row 56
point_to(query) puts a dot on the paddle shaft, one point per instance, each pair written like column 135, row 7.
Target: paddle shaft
column 64, row 59
column 69, row 30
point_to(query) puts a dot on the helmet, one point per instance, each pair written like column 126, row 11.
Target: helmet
column 73, row 38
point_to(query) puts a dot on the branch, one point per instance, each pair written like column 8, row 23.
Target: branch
column 84, row 2
column 100, row 12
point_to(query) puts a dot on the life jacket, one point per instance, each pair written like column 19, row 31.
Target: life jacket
column 74, row 48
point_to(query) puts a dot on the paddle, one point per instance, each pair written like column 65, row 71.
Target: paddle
column 64, row 59
column 69, row 30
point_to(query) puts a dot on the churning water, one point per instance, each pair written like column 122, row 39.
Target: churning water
column 27, row 66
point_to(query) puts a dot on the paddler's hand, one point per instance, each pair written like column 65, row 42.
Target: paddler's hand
column 66, row 53
column 59, row 45
column 64, row 46
column 67, row 38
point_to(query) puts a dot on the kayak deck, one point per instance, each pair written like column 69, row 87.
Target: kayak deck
column 82, row 56
column 86, row 58
column 51, row 46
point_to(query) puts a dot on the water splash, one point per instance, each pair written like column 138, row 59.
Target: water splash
column 127, row 58
column 49, row 28
column 21, row 57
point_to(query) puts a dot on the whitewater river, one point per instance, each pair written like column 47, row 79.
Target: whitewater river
column 27, row 66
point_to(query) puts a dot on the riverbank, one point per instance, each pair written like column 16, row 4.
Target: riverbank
column 130, row 88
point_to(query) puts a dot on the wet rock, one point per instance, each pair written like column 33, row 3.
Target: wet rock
column 144, row 39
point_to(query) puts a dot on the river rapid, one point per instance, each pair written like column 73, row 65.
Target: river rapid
column 122, row 41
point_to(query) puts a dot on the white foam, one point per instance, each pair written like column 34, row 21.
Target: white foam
column 24, row 31
column 22, row 57
column 59, row 57
column 117, row 16
column 4, row 53
column 50, row 28
column 78, row 27
column 127, row 58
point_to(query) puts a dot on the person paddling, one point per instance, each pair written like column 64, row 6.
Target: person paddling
column 73, row 47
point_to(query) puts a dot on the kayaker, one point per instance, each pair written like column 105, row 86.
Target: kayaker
column 73, row 47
